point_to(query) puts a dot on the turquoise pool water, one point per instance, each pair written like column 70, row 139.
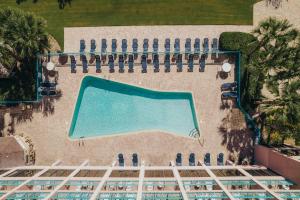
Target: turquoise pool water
column 106, row 107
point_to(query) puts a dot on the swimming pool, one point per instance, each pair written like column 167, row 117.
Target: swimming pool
column 106, row 107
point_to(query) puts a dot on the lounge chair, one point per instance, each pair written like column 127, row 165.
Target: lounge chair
column 167, row 46
column 121, row 160
column 220, row 159
column 98, row 63
column 214, row 45
column 207, row 159
column 155, row 46
column 47, row 85
column 92, row 51
column 84, row 64
column 135, row 47
column 121, row 63
column 229, row 95
column 190, row 63
column 114, row 47
column 82, row 45
column 156, row 62
column 179, row 159
column 111, row 63
column 93, row 46
column 188, row 46
column 135, row 161
column 145, row 46
column 179, row 63
column 192, row 159
column 229, row 86
column 144, row 64
column 206, row 45
column 124, row 46
column 130, row 63
column 177, row 46
column 197, row 46
column 103, row 50
column 73, row 64
column 167, row 63
column 202, row 63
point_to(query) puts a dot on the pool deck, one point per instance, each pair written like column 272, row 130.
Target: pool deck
column 49, row 123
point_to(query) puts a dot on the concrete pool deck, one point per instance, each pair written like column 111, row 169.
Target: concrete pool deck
column 49, row 124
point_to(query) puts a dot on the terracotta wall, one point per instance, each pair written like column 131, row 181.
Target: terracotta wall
column 279, row 163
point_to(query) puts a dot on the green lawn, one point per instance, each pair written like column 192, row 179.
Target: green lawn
column 137, row 12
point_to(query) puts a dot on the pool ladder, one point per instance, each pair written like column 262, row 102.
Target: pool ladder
column 194, row 133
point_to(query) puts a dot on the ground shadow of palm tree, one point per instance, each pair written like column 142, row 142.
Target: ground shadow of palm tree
column 22, row 113
column 237, row 138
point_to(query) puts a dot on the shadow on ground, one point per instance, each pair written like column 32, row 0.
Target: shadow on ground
column 237, row 138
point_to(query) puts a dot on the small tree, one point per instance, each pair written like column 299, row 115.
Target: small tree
column 22, row 35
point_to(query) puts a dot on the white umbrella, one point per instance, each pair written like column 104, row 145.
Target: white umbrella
column 50, row 66
column 226, row 67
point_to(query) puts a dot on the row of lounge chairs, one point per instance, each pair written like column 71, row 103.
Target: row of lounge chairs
column 121, row 160
column 129, row 60
column 47, row 89
column 229, row 91
column 192, row 160
column 155, row 46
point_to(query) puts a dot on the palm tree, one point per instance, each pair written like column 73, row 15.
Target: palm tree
column 23, row 34
column 276, row 64
column 283, row 112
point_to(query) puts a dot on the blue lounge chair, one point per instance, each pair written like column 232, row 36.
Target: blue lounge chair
column 82, row 46
column 93, row 46
column 192, row 159
column 167, row 46
column 84, row 64
column 177, row 46
column 220, row 159
column 135, row 47
column 202, row 63
column 121, row 63
column 98, row 63
column 144, row 63
column 167, row 63
column 191, row 63
column 103, row 50
column 206, row 45
column 145, row 46
column 111, row 63
column 135, row 160
column 188, row 46
column 73, row 63
column 207, row 159
column 197, row 46
column 179, row 159
column 214, row 45
column 121, row 160
column 114, row 47
column 124, row 46
column 155, row 46
column 156, row 62
column 130, row 63
column 229, row 86
column 229, row 95
column 179, row 63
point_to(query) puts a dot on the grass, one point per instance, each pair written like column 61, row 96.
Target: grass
column 137, row 12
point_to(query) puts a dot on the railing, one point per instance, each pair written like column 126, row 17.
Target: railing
column 195, row 133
